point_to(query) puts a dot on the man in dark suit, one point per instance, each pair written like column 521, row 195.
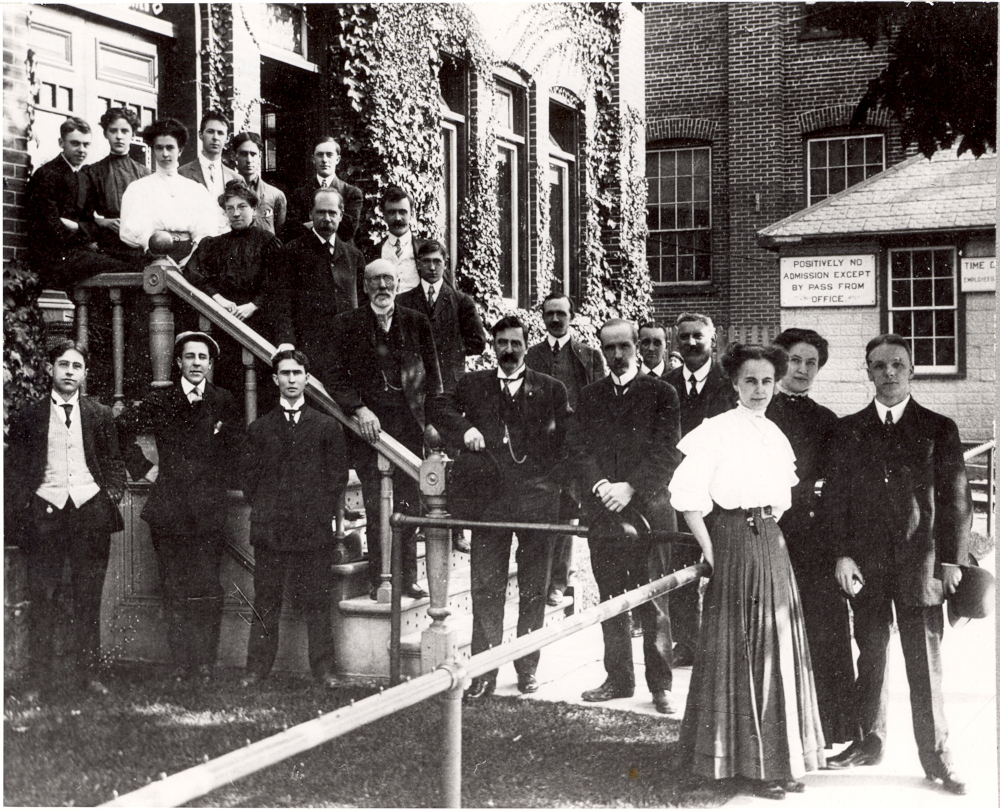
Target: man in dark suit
column 197, row 431
column 384, row 371
column 272, row 207
column 61, row 231
column 455, row 322
column 208, row 168
column 319, row 276
column 623, row 446
column 704, row 392
column 325, row 157
column 575, row 365
column 293, row 472
column 898, row 508
column 64, row 479
column 653, row 344
column 513, row 429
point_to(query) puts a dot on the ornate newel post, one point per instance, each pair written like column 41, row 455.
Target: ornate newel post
column 439, row 642
column 161, row 321
column 384, row 592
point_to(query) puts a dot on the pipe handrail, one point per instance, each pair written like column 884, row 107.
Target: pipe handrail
column 979, row 450
column 197, row 781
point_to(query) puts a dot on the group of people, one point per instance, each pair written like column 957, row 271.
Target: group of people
column 729, row 451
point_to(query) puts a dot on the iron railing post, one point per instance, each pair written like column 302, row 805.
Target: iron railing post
column 451, row 737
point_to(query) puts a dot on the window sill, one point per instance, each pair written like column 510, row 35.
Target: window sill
column 685, row 289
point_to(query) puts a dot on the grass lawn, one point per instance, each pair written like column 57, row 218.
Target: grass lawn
column 77, row 750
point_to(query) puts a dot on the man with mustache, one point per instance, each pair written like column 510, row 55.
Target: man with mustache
column 402, row 246
column 704, row 391
column 383, row 371
column 511, row 422
column 622, row 445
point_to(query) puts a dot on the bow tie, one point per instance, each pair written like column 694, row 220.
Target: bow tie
column 508, row 380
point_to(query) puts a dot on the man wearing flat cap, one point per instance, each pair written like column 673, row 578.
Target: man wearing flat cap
column 898, row 508
column 197, row 430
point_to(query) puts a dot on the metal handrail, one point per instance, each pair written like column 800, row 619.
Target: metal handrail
column 979, row 450
column 197, row 781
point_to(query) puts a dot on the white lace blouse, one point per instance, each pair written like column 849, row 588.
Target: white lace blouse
column 739, row 459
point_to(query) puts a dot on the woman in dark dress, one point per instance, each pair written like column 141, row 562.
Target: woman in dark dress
column 751, row 712
column 234, row 269
column 807, row 426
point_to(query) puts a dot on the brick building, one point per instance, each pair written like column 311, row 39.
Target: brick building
column 747, row 122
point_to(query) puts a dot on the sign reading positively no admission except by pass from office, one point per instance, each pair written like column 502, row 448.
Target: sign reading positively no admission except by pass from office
column 979, row 275
column 828, row 281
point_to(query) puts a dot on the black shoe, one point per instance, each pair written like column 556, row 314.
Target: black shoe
column 606, row 692
column 664, row 702
column 767, row 789
column 555, row 597
column 460, row 544
column 373, row 592
column 950, row 781
column 527, row 684
column 414, row 591
column 794, row 786
column 860, row 753
column 479, row 689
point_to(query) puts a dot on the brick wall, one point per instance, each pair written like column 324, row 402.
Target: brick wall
column 16, row 165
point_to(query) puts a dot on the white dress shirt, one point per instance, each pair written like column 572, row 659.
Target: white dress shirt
column 516, row 377
column 66, row 473
column 406, row 262
column 437, row 288
column 897, row 410
column 560, row 342
column 288, row 405
column 739, row 459
column 187, row 387
column 658, row 371
column 212, row 172
column 700, row 375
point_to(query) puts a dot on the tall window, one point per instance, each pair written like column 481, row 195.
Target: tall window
column 841, row 161
column 563, row 207
column 454, row 105
column 509, row 107
column 923, row 306
column 679, row 215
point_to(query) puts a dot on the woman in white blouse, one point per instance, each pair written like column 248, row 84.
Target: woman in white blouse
column 164, row 212
column 751, row 713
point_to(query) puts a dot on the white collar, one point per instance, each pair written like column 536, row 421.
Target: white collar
column 70, row 165
column 626, row 378
column 699, row 374
column 290, row 405
column 749, row 413
column 59, row 401
column 560, row 341
column 323, row 239
column 518, row 372
column 327, row 182
column 658, row 371
column 436, row 286
column 385, row 313
column 404, row 240
column 187, row 387
column 209, row 161
column 897, row 410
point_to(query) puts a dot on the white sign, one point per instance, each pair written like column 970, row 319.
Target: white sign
column 828, row 281
column 979, row 275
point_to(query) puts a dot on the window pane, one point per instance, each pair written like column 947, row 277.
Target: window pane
column 855, row 174
column 817, row 183
column 837, row 181
column 900, row 265
column 923, row 322
column 944, row 323
column 817, row 154
column 684, row 219
column 855, row 152
column 653, row 194
column 944, row 293
column 700, row 162
column 943, row 263
column 836, row 152
column 685, row 269
column 683, row 162
column 668, row 218
column 653, row 218
column 701, row 215
column 923, row 294
column 873, row 151
column 923, row 352
column 946, row 352
column 505, row 205
column 701, row 188
column 921, row 264
column 901, row 294
column 902, row 324
column 667, row 163
column 684, row 189
column 668, row 189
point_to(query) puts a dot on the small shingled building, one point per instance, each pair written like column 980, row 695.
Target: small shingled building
column 913, row 251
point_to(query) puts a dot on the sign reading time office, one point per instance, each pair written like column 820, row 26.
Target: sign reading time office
column 828, row 281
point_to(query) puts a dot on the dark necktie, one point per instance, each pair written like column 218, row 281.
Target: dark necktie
column 399, row 249
column 194, row 396
column 507, row 381
column 555, row 348
column 211, row 173
column 889, row 422
column 68, row 407
column 430, row 299
column 620, row 390
column 290, row 416
column 694, row 386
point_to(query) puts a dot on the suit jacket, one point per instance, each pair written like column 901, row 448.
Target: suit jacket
column 54, row 190
column 632, row 438
column 356, row 376
column 716, row 397
column 491, row 481
column 588, row 362
column 456, row 326
column 27, row 456
column 300, row 203
column 898, row 502
column 293, row 478
column 192, row 171
column 312, row 289
column 272, row 208
column 197, row 446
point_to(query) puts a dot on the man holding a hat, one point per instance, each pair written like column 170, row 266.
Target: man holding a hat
column 197, row 430
column 898, row 509
column 623, row 444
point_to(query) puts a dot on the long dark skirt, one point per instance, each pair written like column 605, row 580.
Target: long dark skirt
column 752, row 709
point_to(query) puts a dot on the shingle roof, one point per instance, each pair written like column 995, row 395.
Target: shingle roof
column 945, row 192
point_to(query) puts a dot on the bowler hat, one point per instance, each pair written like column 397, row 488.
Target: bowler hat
column 203, row 337
column 973, row 599
column 626, row 526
